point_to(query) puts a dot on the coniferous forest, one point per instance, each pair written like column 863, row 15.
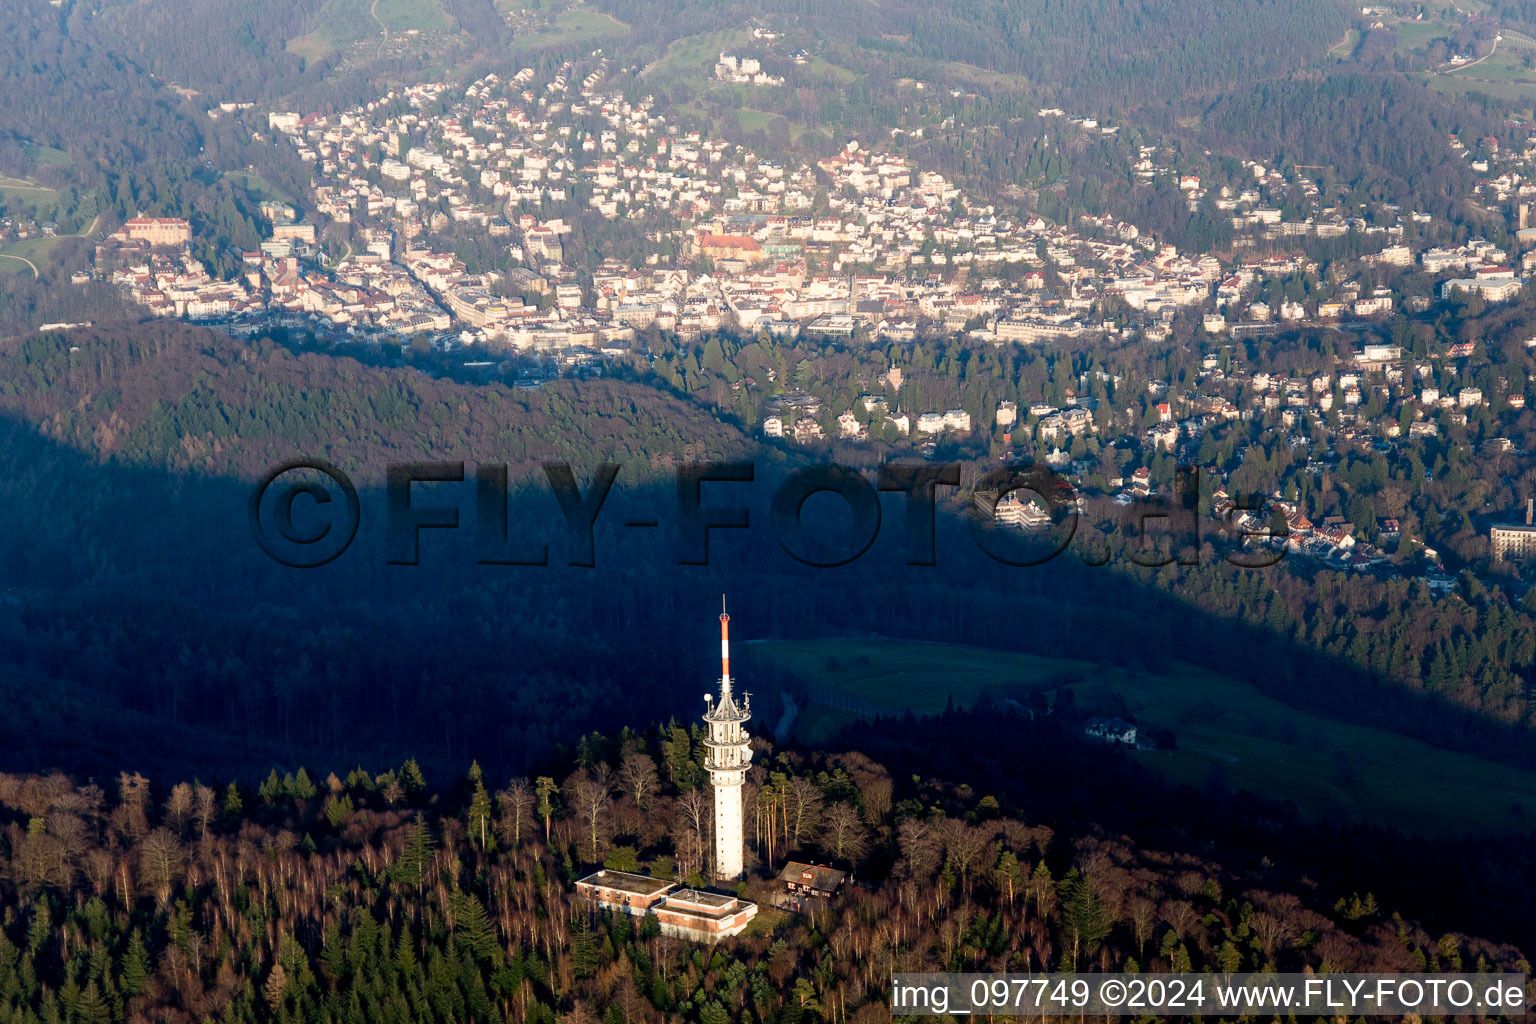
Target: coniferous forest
column 382, row 897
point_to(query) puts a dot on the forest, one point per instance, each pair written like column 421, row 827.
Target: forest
column 167, row 406
column 1105, row 55
column 139, row 595
column 383, row 897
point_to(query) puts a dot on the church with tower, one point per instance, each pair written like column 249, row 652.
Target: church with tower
column 691, row 913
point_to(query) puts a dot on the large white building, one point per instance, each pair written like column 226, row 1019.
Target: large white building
column 726, row 760
column 1510, row 542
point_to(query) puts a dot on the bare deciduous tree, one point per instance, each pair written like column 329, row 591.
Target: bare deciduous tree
column 919, row 845
column 842, row 833
column 637, row 772
column 963, row 844
column 160, row 858
column 178, row 807
column 1143, row 917
column 1180, row 916
column 516, row 813
column 804, row 809
column 691, row 830
column 1270, row 931
column 590, row 793
column 204, row 809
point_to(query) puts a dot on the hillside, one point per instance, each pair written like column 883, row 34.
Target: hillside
column 134, row 576
column 181, row 398
column 165, row 417
column 1104, row 55
column 375, row 897
column 1214, row 730
column 138, row 599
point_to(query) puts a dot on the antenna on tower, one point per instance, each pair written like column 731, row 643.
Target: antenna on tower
column 725, row 653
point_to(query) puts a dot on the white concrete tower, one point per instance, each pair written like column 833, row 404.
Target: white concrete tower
column 726, row 760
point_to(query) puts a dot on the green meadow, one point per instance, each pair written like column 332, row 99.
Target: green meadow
column 1226, row 730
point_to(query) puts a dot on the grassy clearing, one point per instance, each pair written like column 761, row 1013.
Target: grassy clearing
column 1455, row 85
column 341, row 23
column 1331, row 768
column 921, row 677
column 1507, row 64
column 750, row 119
column 1442, row 10
column 22, row 184
column 414, row 16
column 766, row 921
column 576, row 26
column 692, row 57
column 755, row 120
column 45, row 155
column 39, row 251
column 309, row 47
column 1415, row 35
column 1503, row 74
column 961, row 73
column 10, row 266
column 1345, row 48
column 16, row 199
column 820, row 67
column 258, row 186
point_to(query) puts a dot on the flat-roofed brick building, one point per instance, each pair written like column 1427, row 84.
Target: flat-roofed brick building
column 622, row 890
column 684, row 913
column 705, row 916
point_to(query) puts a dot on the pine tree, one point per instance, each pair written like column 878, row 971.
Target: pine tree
column 480, row 811
column 339, row 811
column 584, row 947
column 546, row 789
column 302, row 787
column 135, row 966
column 1182, row 964
column 270, row 789
column 92, row 1007
column 411, row 779
column 233, row 805
column 416, row 860
column 677, row 749
column 276, row 986
column 1008, row 874
column 404, row 961
column 474, row 924
column 41, row 929
column 1083, row 914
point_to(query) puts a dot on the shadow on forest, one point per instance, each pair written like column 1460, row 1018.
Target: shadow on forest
column 144, row 629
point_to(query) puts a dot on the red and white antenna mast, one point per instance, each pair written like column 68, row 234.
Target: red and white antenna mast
column 725, row 652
